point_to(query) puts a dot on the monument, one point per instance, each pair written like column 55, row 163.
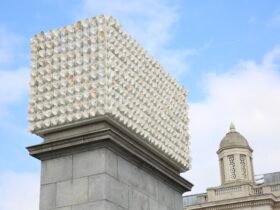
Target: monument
column 113, row 122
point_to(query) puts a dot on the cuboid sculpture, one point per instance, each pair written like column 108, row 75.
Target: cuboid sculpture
column 114, row 123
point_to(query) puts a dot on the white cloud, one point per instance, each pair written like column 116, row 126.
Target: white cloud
column 249, row 95
column 19, row 191
column 13, row 87
column 152, row 23
column 13, row 83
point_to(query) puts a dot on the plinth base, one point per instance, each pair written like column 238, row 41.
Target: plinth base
column 94, row 170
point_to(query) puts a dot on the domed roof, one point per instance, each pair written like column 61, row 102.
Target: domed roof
column 233, row 139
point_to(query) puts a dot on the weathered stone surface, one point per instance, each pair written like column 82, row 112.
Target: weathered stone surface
column 89, row 163
column 101, row 175
column 47, row 196
column 64, row 208
column 97, row 187
column 178, row 201
column 129, row 173
column 116, row 191
column 94, row 162
column 149, row 186
column 58, row 169
column 138, row 201
column 104, row 178
column 98, row 205
column 166, row 195
column 104, row 186
column 111, row 163
column 163, row 207
column 132, row 175
column 153, row 204
column 72, row 192
column 88, row 206
column 112, row 139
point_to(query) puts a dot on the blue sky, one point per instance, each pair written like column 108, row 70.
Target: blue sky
column 226, row 53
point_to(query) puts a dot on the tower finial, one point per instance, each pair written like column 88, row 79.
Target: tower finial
column 232, row 127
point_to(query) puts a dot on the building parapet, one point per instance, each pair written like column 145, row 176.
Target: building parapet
column 230, row 192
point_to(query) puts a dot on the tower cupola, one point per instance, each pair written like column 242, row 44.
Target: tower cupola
column 235, row 158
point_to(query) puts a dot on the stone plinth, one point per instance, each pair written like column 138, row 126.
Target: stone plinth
column 100, row 165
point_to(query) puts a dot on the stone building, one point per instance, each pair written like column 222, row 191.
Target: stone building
column 239, row 188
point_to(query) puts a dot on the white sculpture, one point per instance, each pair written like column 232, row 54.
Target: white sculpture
column 94, row 68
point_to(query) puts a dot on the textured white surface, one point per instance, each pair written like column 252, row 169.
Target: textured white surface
column 92, row 68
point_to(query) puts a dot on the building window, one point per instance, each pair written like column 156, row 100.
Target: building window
column 232, row 172
column 243, row 165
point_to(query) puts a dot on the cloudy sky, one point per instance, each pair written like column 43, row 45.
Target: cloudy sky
column 226, row 53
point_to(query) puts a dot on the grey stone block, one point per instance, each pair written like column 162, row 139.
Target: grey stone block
column 112, row 206
column 89, row 163
column 166, row 195
column 72, row 192
column 98, row 205
column 129, row 173
column 134, row 176
column 111, row 163
column 97, row 185
column 138, row 201
column 178, row 200
column 47, row 196
column 149, row 184
column 89, row 206
column 64, row 208
column 58, row 169
column 117, row 192
column 100, row 179
column 104, row 186
column 153, row 204
column 163, row 207
column 94, row 162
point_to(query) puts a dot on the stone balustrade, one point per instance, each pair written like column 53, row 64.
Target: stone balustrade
column 221, row 193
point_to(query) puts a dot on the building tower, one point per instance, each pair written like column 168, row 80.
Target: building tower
column 235, row 158
column 239, row 190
